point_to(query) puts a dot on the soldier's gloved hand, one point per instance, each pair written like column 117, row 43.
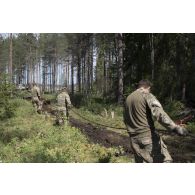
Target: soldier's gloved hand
column 181, row 130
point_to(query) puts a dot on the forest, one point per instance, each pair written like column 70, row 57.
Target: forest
column 99, row 70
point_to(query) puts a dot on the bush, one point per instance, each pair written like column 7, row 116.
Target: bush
column 191, row 127
column 23, row 94
column 56, row 145
column 28, row 137
column 50, row 97
column 10, row 108
column 6, row 93
column 78, row 100
column 129, row 89
column 173, row 108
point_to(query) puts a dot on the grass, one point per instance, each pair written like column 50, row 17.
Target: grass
column 30, row 137
column 95, row 113
column 95, row 119
column 50, row 97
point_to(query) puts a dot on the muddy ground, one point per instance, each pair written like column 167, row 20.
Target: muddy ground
column 182, row 149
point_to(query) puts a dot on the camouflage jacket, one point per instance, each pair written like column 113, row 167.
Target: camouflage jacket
column 63, row 100
column 35, row 91
column 140, row 109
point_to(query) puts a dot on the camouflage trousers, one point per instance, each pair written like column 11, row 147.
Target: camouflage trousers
column 37, row 104
column 61, row 116
column 149, row 148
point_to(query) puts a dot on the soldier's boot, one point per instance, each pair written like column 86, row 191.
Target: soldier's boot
column 39, row 107
column 60, row 122
column 39, row 111
column 34, row 106
column 59, row 119
column 65, row 121
column 165, row 153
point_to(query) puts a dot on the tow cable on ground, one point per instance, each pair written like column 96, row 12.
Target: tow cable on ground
column 120, row 128
column 92, row 122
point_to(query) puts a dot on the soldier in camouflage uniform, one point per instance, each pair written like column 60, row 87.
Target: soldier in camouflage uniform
column 140, row 109
column 63, row 104
column 36, row 97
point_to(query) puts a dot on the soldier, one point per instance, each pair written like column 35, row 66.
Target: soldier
column 63, row 105
column 36, row 97
column 140, row 108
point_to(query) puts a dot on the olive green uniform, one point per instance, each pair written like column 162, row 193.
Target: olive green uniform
column 35, row 91
column 147, row 145
column 63, row 103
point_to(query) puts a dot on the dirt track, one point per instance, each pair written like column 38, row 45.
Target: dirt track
column 182, row 149
column 102, row 135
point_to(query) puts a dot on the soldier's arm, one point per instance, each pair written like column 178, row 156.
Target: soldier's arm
column 67, row 99
column 158, row 113
column 38, row 92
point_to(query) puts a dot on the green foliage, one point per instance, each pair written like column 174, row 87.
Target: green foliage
column 22, row 93
column 29, row 137
column 128, row 90
column 96, row 105
column 7, row 107
column 191, row 127
column 77, row 99
column 173, row 108
column 92, row 105
column 6, row 87
column 88, row 103
column 90, row 117
column 50, row 97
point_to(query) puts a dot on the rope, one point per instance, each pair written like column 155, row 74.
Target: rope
column 92, row 122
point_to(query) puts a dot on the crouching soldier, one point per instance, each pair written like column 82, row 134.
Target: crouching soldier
column 36, row 98
column 63, row 106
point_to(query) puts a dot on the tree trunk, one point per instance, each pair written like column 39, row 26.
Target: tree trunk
column 54, row 76
column 105, row 76
column 50, row 78
column 184, row 92
column 10, row 57
column 79, row 74
column 30, row 65
column 39, row 73
column 84, row 74
column 72, row 75
column 152, row 54
column 44, row 76
column 68, row 73
column 120, row 67
column 91, row 69
column 88, row 71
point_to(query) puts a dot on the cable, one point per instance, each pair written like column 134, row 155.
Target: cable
column 92, row 122
column 96, row 122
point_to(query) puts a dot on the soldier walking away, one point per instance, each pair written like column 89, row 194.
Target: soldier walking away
column 141, row 107
column 63, row 106
column 36, row 97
